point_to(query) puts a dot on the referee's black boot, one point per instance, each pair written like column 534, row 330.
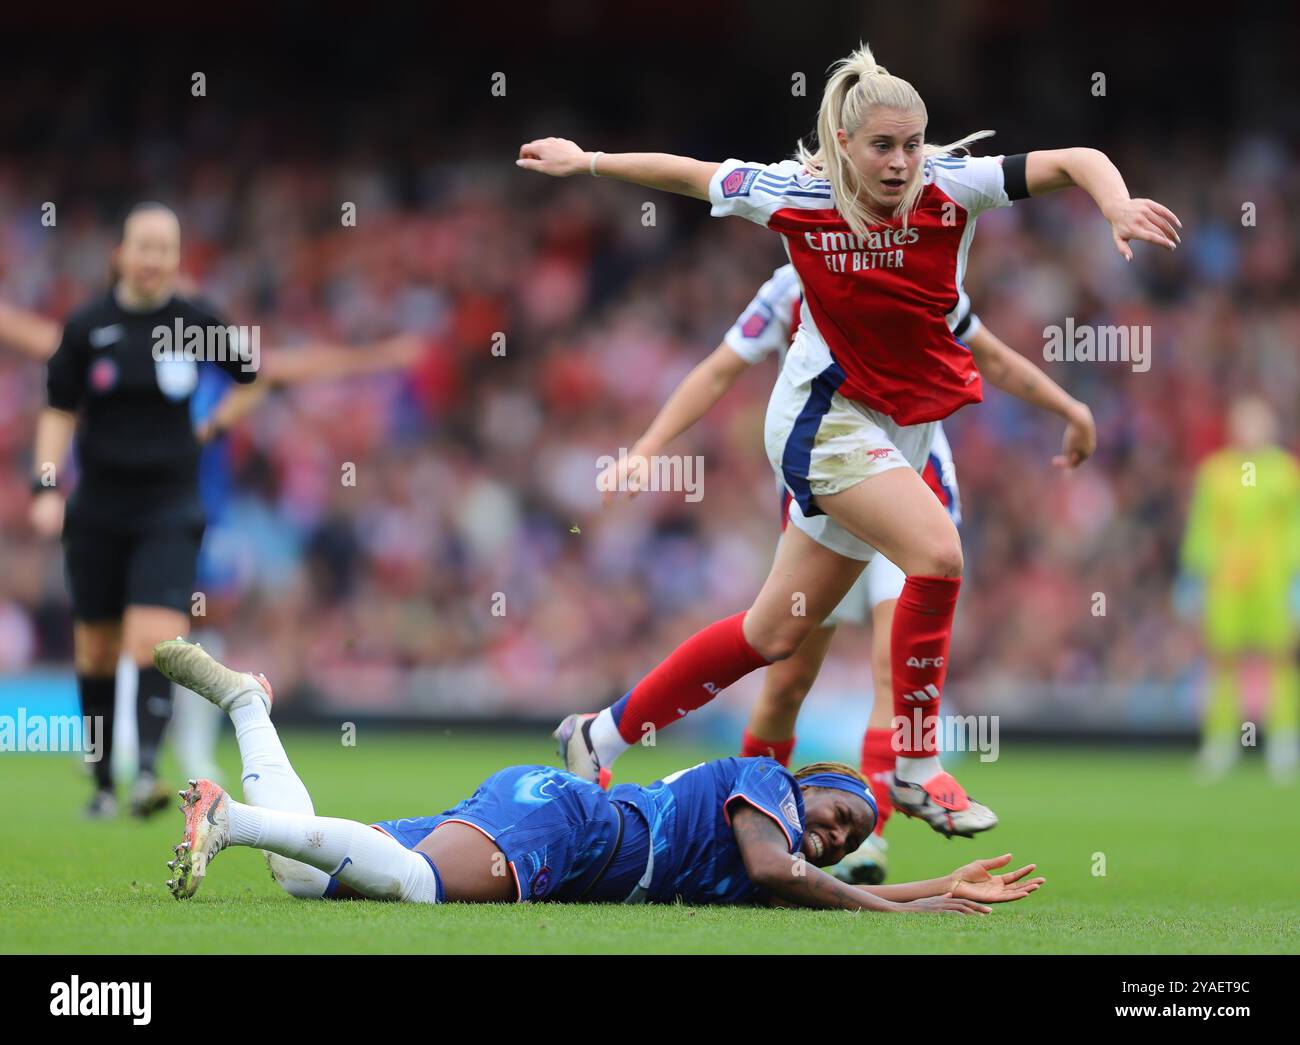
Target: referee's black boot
column 148, row 796
column 102, row 806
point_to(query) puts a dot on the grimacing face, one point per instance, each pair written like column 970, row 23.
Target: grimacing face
column 886, row 151
column 835, row 824
column 149, row 255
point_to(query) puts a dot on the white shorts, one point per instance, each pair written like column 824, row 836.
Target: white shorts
column 820, row 443
column 879, row 582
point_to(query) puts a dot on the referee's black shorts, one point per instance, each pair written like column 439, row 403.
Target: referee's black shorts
column 109, row 569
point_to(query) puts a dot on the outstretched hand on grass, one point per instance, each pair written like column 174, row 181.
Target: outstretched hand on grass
column 974, row 882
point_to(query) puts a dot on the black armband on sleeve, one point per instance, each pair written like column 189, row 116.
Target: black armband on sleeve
column 962, row 326
column 1013, row 177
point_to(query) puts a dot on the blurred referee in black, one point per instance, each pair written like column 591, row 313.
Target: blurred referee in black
column 133, row 524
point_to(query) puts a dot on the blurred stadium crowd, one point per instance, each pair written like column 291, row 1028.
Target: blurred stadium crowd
column 470, row 570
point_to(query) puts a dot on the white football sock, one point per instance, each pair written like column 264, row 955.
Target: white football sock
column 196, row 721
column 360, row 857
column 126, row 741
column 917, row 770
column 195, row 725
column 607, row 741
column 270, row 783
column 267, row 777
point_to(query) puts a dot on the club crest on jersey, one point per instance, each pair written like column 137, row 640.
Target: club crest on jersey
column 737, row 183
column 541, row 880
column 103, row 375
column 790, row 811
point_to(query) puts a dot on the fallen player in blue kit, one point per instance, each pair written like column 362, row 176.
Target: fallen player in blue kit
column 730, row 831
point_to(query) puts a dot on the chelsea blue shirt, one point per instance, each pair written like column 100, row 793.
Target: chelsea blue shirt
column 689, row 813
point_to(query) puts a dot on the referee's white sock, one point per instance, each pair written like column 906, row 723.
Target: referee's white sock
column 366, row 860
column 270, row 783
column 196, row 721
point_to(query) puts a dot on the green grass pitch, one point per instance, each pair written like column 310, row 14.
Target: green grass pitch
column 1187, row 868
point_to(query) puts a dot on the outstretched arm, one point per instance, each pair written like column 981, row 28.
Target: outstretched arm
column 321, row 362
column 969, row 882
column 293, row 366
column 235, row 405
column 791, row 880
column 28, row 333
column 692, row 399
column 1091, row 170
column 560, row 157
column 1007, row 369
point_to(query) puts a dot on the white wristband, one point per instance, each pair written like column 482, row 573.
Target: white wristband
column 594, row 157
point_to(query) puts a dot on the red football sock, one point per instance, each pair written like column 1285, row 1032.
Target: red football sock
column 781, row 750
column 694, row 673
column 918, row 648
column 878, row 767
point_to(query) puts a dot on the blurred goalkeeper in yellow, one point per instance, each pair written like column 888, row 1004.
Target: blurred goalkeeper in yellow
column 1241, row 576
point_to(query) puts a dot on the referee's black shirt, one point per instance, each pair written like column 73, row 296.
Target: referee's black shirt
column 136, row 451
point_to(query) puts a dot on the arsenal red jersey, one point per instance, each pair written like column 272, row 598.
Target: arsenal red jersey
column 881, row 305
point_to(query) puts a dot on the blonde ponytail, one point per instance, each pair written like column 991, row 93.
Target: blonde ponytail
column 855, row 84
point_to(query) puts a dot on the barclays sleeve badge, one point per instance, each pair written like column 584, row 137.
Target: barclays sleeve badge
column 738, row 182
